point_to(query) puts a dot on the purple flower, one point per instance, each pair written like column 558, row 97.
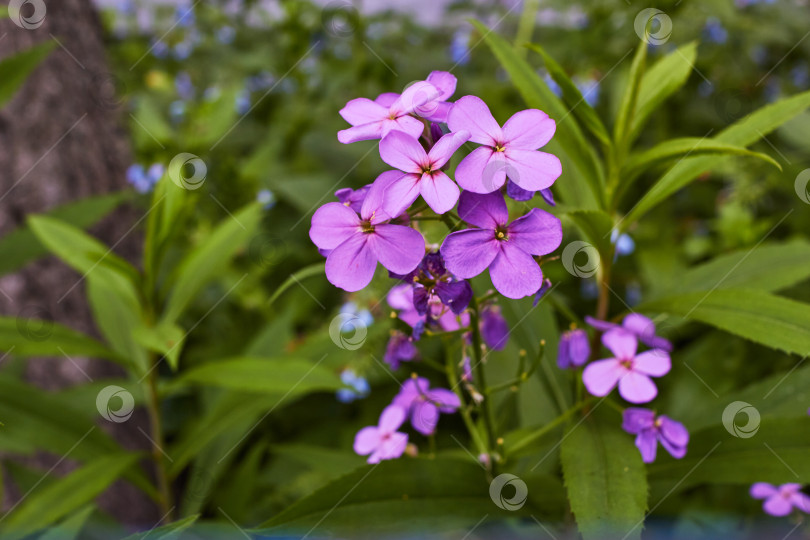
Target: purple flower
column 494, row 328
column 505, row 248
column 574, row 349
column 431, row 279
column 511, row 151
column 353, row 198
column 639, row 325
column 435, row 110
column 424, row 405
column 541, row 292
column 370, row 120
column 423, row 174
column 400, row 348
column 649, row 430
column 779, row 501
column 517, row 193
column 356, row 244
column 401, row 298
column 383, row 441
column 630, row 371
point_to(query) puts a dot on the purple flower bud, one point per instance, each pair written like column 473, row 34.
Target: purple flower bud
column 574, row 349
column 436, row 132
column 544, row 288
column 494, row 328
column 400, row 348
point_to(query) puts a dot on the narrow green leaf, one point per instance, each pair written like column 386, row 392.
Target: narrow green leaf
column 164, row 339
column 166, row 532
column 627, row 107
column 758, row 316
column 14, row 70
column 743, row 133
column 308, row 271
column 35, row 337
column 206, row 261
column 596, row 227
column 573, row 97
column 47, row 505
column 70, row 528
column 605, row 479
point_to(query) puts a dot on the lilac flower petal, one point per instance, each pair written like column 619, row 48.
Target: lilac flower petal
column 456, row 295
column 394, row 446
column 647, row 444
column 406, row 124
column 762, row 490
column 363, row 111
column 482, row 171
column 446, row 400
column 470, row 252
column 655, row 363
column 533, row 170
column 410, row 391
column 351, row 265
column 621, row 343
column 602, row 326
column 639, row 324
column 536, row 233
column 401, row 297
column 373, row 204
column 801, row 502
column 777, row 505
column 485, row 211
column 445, row 147
column 439, row 192
column 333, row 224
column 674, row 450
column 517, row 193
column 515, row 273
column 367, row 440
column 386, row 99
column 494, row 329
column 398, row 248
column 433, row 264
column 528, row 130
column 657, row 342
column 635, row 419
column 353, row 198
column 403, row 152
column 425, row 417
column 363, row 132
column 449, row 321
column 421, row 296
column 548, row 196
column 401, row 193
column 470, row 113
column 400, row 348
column 637, row 387
column 574, row 349
column 445, row 82
column 391, row 418
column 416, row 96
column 601, row 376
column 673, row 431
column 440, row 113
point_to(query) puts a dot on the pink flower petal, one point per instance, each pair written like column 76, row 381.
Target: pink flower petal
column 374, row 203
column 401, row 297
column 655, row 363
column 621, row 343
column 601, row 376
column 417, row 96
column 401, row 193
column 470, row 113
column 647, row 444
column 514, row 273
column 445, row 83
column 363, row 111
column 637, row 387
column 441, row 114
column 400, row 249
column 532, row 170
column 673, row 431
column 801, row 501
column 393, row 447
column 363, row 132
column 403, row 152
column 485, row 211
column 444, row 148
column 391, row 419
column 386, row 99
column 367, row 440
column 405, row 124
column 332, row 224
column 777, row 505
column 538, row 232
column 528, row 130
column 425, row 417
column 482, row 171
column 762, row 490
column 468, row 253
column 351, row 265
column 439, row 192
column 636, row 420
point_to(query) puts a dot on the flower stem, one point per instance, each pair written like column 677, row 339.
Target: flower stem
column 480, row 376
column 156, row 433
column 534, row 436
column 452, row 377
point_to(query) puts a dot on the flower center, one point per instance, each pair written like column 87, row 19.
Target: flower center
column 627, row 364
column 502, row 233
column 366, row 226
column 500, row 147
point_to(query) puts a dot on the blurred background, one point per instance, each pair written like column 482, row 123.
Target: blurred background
column 253, row 89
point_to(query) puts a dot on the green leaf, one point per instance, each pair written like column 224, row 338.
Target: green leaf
column 573, row 97
column 47, row 505
column 70, row 528
column 596, row 227
column 14, row 70
column 627, row 107
column 166, row 532
column 578, row 158
column 392, row 497
column 274, row 376
column 164, row 339
column 662, row 80
column 743, row 133
column 206, row 261
column 768, row 267
column 76, row 248
column 35, row 337
column 20, row 246
column 758, row 316
column 308, row 271
column 605, row 479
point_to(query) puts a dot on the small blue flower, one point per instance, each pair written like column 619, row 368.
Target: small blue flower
column 589, row 87
column 267, row 198
column 714, row 31
column 552, row 85
column 242, row 101
column 364, row 315
column 177, row 110
column 226, row 35
column 359, row 387
column 460, row 47
column 160, row 49
column 183, row 85
column 624, row 243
